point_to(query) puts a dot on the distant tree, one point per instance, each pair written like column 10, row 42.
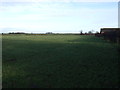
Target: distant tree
column 89, row 32
column 11, row 32
column 85, row 33
column 81, row 32
column 92, row 31
column 48, row 32
column 96, row 32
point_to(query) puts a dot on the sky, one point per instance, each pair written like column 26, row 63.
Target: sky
column 65, row 16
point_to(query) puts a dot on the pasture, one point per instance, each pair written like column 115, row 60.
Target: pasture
column 58, row 61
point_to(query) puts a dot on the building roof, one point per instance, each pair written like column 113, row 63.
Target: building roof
column 110, row 28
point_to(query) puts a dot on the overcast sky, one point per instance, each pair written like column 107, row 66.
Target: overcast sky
column 69, row 16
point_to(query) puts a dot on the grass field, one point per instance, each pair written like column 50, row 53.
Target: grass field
column 54, row 61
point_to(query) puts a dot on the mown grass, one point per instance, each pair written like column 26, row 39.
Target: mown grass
column 54, row 61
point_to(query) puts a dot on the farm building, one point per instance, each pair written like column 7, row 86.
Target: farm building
column 112, row 34
column 104, row 30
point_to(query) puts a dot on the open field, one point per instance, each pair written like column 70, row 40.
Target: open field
column 53, row 61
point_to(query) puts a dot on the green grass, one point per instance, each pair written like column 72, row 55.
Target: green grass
column 54, row 61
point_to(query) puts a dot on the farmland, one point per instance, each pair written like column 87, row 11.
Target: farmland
column 54, row 61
